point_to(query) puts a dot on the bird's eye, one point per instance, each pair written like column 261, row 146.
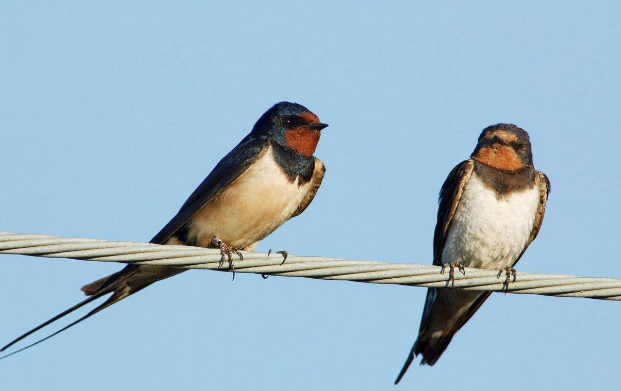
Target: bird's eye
column 286, row 122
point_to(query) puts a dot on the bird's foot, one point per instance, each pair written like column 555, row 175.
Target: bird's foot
column 509, row 272
column 283, row 253
column 452, row 265
column 227, row 252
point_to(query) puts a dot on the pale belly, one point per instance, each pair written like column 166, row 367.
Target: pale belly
column 259, row 202
column 488, row 232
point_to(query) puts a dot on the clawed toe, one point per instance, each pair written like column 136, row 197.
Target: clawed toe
column 509, row 272
column 226, row 253
column 452, row 265
column 283, row 253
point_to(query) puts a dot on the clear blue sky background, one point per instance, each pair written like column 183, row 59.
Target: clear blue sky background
column 111, row 113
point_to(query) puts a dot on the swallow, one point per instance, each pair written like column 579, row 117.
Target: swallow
column 491, row 208
column 268, row 178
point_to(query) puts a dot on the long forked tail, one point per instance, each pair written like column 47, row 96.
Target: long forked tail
column 445, row 313
column 116, row 283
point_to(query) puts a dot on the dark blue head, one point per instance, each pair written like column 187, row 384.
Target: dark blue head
column 290, row 125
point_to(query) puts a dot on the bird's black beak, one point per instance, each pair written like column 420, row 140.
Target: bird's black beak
column 318, row 126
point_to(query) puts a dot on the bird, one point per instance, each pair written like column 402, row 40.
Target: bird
column 491, row 208
column 268, row 178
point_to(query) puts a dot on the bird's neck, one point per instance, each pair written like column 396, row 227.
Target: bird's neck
column 293, row 163
column 505, row 182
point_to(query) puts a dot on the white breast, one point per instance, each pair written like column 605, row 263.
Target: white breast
column 489, row 232
column 251, row 208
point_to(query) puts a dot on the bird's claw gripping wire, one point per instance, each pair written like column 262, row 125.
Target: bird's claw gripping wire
column 227, row 252
column 509, row 272
column 283, row 253
column 452, row 265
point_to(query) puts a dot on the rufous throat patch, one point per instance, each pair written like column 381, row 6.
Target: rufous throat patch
column 501, row 157
column 303, row 140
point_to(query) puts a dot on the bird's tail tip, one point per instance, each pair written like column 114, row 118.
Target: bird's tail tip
column 111, row 284
column 408, row 362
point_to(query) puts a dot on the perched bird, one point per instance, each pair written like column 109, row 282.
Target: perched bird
column 491, row 209
column 268, row 178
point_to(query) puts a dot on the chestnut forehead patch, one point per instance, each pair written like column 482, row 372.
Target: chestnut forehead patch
column 309, row 118
column 506, row 136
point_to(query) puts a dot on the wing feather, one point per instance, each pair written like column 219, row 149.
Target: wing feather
column 227, row 171
column 543, row 183
column 450, row 195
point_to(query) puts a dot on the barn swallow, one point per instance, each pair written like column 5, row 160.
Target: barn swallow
column 491, row 209
column 268, row 178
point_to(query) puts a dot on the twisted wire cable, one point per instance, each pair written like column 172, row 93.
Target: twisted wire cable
column 324, row 268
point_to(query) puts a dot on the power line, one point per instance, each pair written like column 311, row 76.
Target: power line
column 309, row 267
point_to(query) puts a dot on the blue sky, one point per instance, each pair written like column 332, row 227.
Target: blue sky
column 111, row 113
